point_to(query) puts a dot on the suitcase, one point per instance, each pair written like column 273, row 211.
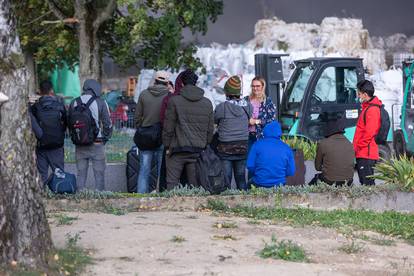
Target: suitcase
column 132, row 171
column 299, row 177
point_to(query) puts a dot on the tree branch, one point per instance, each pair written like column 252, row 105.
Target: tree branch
column 104, row 15
column 56, row 11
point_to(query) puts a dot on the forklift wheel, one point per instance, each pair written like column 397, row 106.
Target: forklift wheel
column 399, row 143
column 384, row 152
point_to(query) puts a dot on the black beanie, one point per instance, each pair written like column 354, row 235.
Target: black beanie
column 189, row 77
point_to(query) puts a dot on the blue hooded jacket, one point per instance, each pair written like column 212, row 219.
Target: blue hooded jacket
column 270, row 160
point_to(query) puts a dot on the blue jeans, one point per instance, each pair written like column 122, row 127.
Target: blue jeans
column 239, row 167
column 145, row 163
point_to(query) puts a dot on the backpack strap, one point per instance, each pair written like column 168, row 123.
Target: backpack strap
column 366, row 110
column 90, row 101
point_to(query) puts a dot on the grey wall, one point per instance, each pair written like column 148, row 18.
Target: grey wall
column 379, row 17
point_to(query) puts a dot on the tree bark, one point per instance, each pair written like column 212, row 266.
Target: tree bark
column 24, row 231
column 31, row 70
column 90, row 59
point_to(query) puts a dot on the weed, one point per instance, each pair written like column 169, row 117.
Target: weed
column 253, row 221
column 352, row 247
column 185, row 191
column 109, row 209
column 226, row 237
column 178, row 239
column 299, row 143
column 399, row 171
column 389, row 223
column 284, row 250
column 192, row 217
column 382, row 241
column 225, row 224
column 72, row 259
column 63, row 219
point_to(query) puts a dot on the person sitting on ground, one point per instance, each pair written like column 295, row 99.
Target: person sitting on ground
column 270, row 160
column 334, row 156
column 232, row 119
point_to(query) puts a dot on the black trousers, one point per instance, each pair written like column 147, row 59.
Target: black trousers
column 320, row 177
column 365, row 168
column 176, row 163
column 53, row 158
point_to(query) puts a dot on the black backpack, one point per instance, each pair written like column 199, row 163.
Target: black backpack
column 148, row 138
column 50, row 118
column 209, row 172
column 82, row 126
column 381, row 137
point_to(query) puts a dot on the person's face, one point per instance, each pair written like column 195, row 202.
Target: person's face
column 257, row 88
column 363, row 97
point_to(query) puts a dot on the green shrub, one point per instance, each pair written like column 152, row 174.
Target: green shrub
column 398, row 171
column 308, row 147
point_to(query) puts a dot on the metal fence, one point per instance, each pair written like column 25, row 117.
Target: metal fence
column 117, row 147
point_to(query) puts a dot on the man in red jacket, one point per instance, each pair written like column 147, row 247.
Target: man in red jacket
column 368, row 125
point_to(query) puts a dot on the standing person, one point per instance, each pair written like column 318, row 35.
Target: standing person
column 188, row 129
column 48, row 117
column 232, row 119
column 270, row 160
column 147, row 114
column 90, row 126
column 368, row 125
column 264, row 111
column 334, row 156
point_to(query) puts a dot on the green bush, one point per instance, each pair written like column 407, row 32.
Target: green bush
column 398, row 171
column 308, row 147
column 284, row 250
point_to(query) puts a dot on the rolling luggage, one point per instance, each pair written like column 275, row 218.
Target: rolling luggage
column 132, row 171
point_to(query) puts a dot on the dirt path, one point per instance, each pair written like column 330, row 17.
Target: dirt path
column 141, row 244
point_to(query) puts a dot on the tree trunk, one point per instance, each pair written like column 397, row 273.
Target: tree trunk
column 31, row 70
column 90, row 20
column 89, row 46
column 24, row 231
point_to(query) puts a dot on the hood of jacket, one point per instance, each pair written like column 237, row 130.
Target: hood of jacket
column 158, row 90
column 234, row 107
column 92, row 87
column 272, row 130
column 374, row 100
column 192, row 93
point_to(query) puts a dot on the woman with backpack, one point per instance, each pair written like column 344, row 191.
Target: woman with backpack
column 232, row 119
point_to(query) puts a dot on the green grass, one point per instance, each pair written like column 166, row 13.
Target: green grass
column 388, row 223
column 63, row 219
column 109, row 209
column 285, row 250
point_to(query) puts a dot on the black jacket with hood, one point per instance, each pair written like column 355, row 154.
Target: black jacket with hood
column 189, row 121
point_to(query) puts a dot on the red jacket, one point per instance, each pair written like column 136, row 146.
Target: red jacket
column 364, row 138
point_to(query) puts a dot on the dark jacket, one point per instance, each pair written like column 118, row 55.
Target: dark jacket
column 99, row 109
column 189, row 122
column 335, row 158
column 232, row 118
column 149, row 103
column 270, row 160
column 364, row 138
column 36, row 108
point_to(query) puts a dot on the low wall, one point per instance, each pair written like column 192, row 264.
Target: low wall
column 382, row 201
column 115, row 176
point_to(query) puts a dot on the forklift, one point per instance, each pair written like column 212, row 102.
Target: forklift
column 319, row 90
column 404, row 136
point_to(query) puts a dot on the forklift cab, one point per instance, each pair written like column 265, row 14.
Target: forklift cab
column 321, row 89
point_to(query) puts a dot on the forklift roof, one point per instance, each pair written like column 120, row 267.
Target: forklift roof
column 320, row 60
